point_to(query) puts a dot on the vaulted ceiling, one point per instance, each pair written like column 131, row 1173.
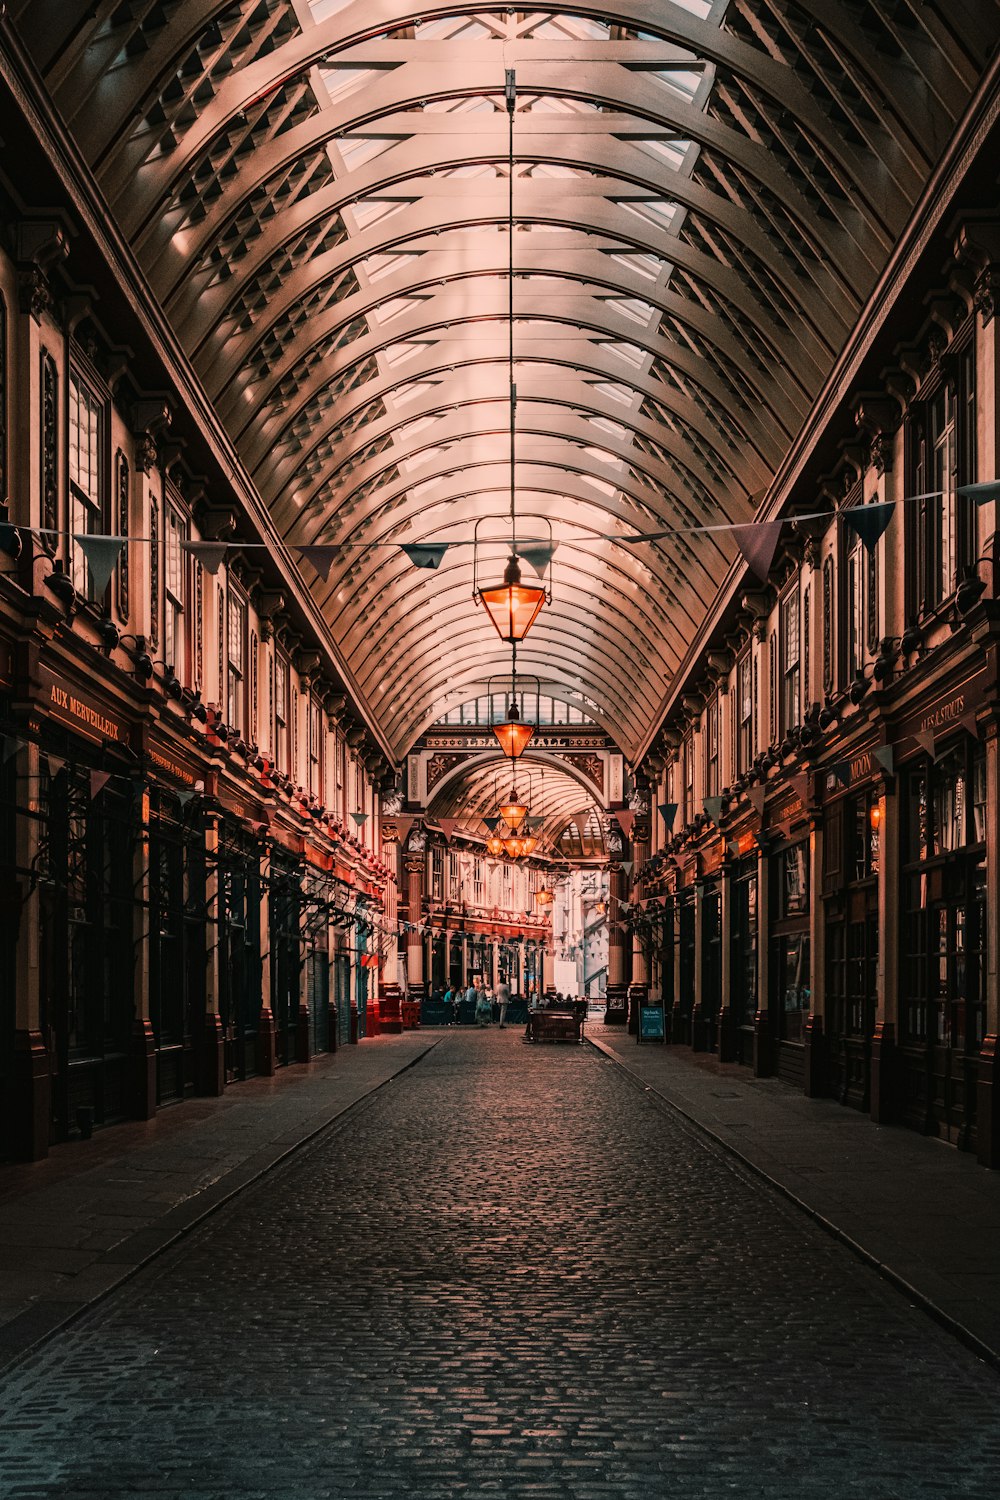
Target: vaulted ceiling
column 705, row 192
column 571, row 822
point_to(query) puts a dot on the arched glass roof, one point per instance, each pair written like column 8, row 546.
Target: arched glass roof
column 705, row 192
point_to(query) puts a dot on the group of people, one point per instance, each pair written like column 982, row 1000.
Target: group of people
column 482, row 997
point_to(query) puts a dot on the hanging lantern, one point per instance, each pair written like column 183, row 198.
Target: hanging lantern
column 545, row 897
column 513, row 606
column 513, row 812
column 494, row 845
column 514, row 846
column 528, row 843
column 513, row 734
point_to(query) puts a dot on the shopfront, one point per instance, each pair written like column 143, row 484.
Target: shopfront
column 943, row 909
column 705, row 1020
column 790, row 971
column 851, row 859
column 284, row 912
column 686, row 950
column 177, row 938
column 743, row 888
column 239, row 882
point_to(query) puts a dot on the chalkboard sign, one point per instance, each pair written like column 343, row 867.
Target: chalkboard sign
column 651, row 1023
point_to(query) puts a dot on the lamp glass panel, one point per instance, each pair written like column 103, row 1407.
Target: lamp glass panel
column 513, row 737
column 513, row 608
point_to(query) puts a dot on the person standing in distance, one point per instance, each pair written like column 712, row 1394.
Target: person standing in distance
column 503, row 1000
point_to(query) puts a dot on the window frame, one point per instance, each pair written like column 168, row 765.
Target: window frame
column 88, row 515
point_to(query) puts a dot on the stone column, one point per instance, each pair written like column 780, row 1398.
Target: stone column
column 142, row 1042
column 764, row 1025
column 816, row 1068
column 727, row 1026
column 639, row 987
column 32, row 1103
column 885, row 1062
column 212, row 1078
column 699, row 1030
column 617, row 990
column 414, row 866
column 267, row 1042
column 391, row 996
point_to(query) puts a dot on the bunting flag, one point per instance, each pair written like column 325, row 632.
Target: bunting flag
column 401, row 823
column 981, row 493
column 101, row 552
column 713, row 806
column 184, row 796
column 533, row 822
column 11, row 745
column 56, row 763
column 493, row 823
column 624, row 905
column 886, row 758
column 626, row 865
column 758, row 543
column 800, row 786
column 970, row 724
column 447, row 826
column 755, row 796
column 425, row 554
column 538, row 558
column 211, row 555
column 926, row 740
column 98, row 781
column 360, row 818
column 319, row 557
column 668, row 812
column 626, row 818
column 869, row 521
column 841, row 772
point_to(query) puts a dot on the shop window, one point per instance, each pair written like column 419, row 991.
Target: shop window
column 437, row 873
column 316, row 758
column 236, row 664
column 87, row 424
column 941, row 451
column 791, row 664
column 794, row 890
column 687, row 811
column 176, row 583
column 744, row 698
column 712, row 748
column 864, row 818
column 281, row 713
column 861, row 581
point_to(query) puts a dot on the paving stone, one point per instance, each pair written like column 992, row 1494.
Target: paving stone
column 508, row 1274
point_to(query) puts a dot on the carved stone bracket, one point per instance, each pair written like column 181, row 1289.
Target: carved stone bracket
column 878, row 418
column 150, row 416
column 978, row 243
column 39, row 244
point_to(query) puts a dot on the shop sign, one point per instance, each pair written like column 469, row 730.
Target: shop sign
column 789, row 811
column 946, row 712
column 81, row 713
column 166, row 763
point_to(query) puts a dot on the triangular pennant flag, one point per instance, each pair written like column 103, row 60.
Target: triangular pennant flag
column 668, row 812
column 425, row 554
column 982, row 492
column 713, row 806
column 869, row 521
column 56, row 763
column 755, row 796
column 11, row 745
column 841, row 771
column 533, row 823
column 184, row 797
column 447, row 826
column 970, row 724
column 886, row 758
column 926, row 740
column 624, row 905
column 320, row 558
column 360, row 818
column 102, row 553
column 625, row 821
column 626, row 865
column 492, row 824
column 401, row 822
column 758, row 543
column 211, row 555
column 538, row 558
column 800, row 786
column 98, row 781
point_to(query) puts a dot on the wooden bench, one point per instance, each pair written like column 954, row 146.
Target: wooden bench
column 554, row 1026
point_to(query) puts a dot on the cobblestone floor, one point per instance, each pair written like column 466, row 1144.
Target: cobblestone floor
column 508, row 1273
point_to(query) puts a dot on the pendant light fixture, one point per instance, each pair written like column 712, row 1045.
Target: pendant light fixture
column 512, row 605
column 513, row 812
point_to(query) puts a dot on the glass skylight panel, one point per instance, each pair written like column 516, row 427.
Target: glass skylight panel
column 374, row 211
column 341, row 83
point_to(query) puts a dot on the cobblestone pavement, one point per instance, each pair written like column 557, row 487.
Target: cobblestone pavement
column 507, row 1273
